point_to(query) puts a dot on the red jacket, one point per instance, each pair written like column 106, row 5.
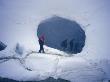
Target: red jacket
column 42, row 38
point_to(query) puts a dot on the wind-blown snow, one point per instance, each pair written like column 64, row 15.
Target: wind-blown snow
column 18, row 23
column 75, row 69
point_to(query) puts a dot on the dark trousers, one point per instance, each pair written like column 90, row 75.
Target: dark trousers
column 41, row 49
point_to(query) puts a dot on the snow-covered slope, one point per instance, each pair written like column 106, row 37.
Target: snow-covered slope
column 19, row 20
column 75, row 69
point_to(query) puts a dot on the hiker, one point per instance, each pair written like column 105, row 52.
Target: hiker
column 64, row 44
column 41, row 43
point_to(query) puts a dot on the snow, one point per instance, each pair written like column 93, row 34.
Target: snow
column 12, row 69
column 73, row 68
column 70, row 68
column 18, row 24
column 44, row 65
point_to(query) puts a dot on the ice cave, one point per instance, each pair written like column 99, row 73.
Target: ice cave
column 62, row 34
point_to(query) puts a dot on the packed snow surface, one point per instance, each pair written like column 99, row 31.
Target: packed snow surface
column 19, row 20
column 59, row 65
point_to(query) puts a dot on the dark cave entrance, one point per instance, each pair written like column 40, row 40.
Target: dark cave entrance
column 62, row 34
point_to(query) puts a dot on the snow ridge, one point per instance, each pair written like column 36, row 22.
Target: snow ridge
column 73, row 68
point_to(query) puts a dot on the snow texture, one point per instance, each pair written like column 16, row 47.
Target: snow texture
column 37, row 66
column 19, row 20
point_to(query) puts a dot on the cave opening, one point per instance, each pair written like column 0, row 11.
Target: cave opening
column 62, row 34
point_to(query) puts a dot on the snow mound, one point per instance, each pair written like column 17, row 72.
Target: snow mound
column 74, row 68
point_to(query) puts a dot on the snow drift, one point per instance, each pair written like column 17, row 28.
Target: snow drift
column 19, row 20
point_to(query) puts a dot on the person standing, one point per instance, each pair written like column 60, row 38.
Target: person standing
column 41, row 43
